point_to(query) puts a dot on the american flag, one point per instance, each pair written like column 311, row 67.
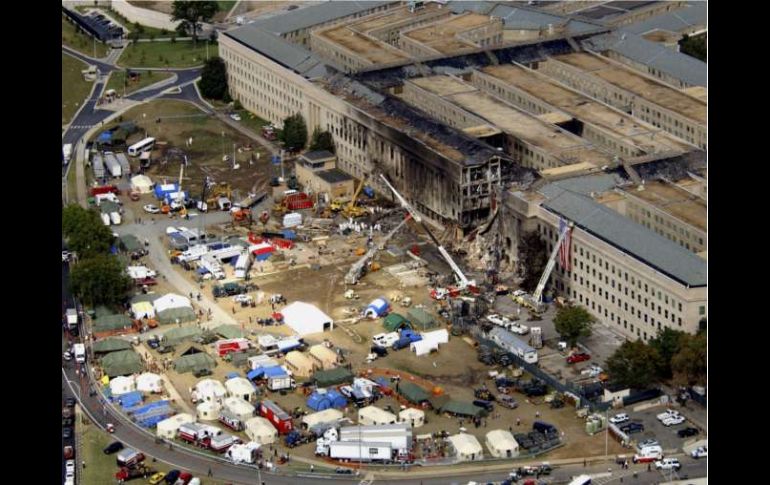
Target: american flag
column 565, row 251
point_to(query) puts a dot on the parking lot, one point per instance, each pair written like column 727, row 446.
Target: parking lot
column 654, row 429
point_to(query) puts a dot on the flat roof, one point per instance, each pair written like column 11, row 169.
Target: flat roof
column 373, row 50
column 303, row 18
column 640, row 85
column 440, row 35
column 392, row 16
column 587, row 109
column 318, row 155
column 333, row 175
column 675, row 201
column 679, row 20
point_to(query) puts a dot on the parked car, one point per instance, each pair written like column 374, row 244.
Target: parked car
column 235, row 117
column 157, row 478
column 578, row 357
column 619, row 418
column 202, row 373
column 166, row 349
column 70, row 402
column 242, row 299
column 668, row 414
column 154, row 343
column 647, row 443
column 184, row 478
column 668, row 464
column 67, row 421
column 699, row 452
column 518, row 328
column 113, row 447
column 69, row 452
column 65, row 256
column 67, row 355
column 151, row 209
column 379, row 351
column 67, row 433
column 499, row 320
column 172, row 476
column 507, row 401
column 343, row 471
column 70, row 466
column 632, row 427
column 687, row 432
column 673, row 421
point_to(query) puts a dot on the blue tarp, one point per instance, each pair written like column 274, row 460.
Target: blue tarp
column 319, row 402
column 161, row 194
column 262, row 257
column 232, row 375
column 288, row 345
column 130, row 399
column 382, row 381
column 255, row 374
column 147, row 407
column 338, row 400
column 378, row 306
column 275, row 371
column 289, row 234
column 105, row 137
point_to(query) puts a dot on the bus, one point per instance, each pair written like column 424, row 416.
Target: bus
column 143, row 146
column 581, row 480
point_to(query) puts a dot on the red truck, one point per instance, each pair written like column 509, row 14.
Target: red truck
column 226, row 346
column 279, row 418
column 140, row 471
column 104, row 189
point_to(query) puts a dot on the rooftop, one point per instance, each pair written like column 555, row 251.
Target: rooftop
column 587, row 109
column 441, row 35
column 279, row 50
column 638, row 84
column 318, row 155
column 391, row 17
column 306, row 17
column 371, row 49
column 333, row 175
column 680, row 20
column 675, row 201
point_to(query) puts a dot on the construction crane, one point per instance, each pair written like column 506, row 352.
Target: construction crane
column 463, row 282
column 351, row 210
column 534, row 302
column 359, row 267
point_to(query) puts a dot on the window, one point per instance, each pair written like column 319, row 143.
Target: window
column 701, row 310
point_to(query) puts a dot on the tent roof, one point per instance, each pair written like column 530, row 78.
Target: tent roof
column 331, row 377
column 229, row 331
column 412, row 392
column 187, row 363
column 149, row 297
column 120, row 363
column 301, row 316
column 320, row 352
column 411, row 413
column 177, row 335
column 298, row 359
column 501, row 439
column 259, row 423
column 112, row 322
column 465, row 443
column 463, row 408
column 141, row 180
column 131, row 242
column 111, row 345
column 420, row 318
column 171, row 315
column 394, row 321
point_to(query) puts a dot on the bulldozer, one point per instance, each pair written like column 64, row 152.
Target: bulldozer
column 222, row 189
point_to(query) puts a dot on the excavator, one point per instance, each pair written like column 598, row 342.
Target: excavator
column 352, row 210
column 222, row 189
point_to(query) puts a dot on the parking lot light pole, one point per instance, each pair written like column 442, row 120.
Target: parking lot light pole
column 606, row 432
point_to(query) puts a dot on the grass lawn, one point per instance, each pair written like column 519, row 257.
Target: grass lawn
column 72, row 188
column 74, row 90
column 252, row 121
column 166, row 54
column 226, row 6
column 79, row 41
column 101, row 468
column 144, row 31
column 117, row 78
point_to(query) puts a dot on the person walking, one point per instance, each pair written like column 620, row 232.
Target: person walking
column 210, row 473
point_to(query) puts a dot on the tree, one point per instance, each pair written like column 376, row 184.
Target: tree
column 668, row 343
column 688, row 366
column 322, row 140
column 695, row 46
column 573, row 322
column 192, row 14
column 635, row 364
column 100, row 280
column 213, row 83
column 85, row 232
column 294, row 133
column 532, row 257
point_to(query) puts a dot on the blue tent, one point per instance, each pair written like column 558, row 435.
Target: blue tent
column 255, row 374
column 163, row 190
column 130, row 399
column 275, row 371
column 377, row 308
column 337, row 399
column 319, row 402
column 105, row 137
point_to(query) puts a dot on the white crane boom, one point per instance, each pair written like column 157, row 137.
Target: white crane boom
column 538, row 293
column 464, row 282
column 357, row 270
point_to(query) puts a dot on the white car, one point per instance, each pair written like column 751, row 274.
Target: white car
column 700, row 452
column 648, row 443
column 152, row 209
column 385, row 339
column 668, row 464
column 235, row 117
column 65, row 256
column 592, row 371
column 499, row 320
column 518, row 328
column 668, row 414
column 70, row 466
column 242, row 299
column 673, row 421
column 619, row 418
column 67, row 355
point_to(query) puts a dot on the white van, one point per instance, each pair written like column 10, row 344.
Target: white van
column 80, row 353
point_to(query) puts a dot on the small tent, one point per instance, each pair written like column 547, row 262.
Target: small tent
column 377, row 308
column 241, row 387
column 193, row 362
column 208, row 390
column 330, row 415
column 372, row 415
column 501, row 444
column 240, row 408
column 415, row 417
column 299, row 363
column 149, row 382
column 332, row 377
column 208, row 410
column 462, row 408
column 420, row 319
column 176, row 315
column 142, row 309
column 229, row 331
column 323, row 399
column 423, row 347
column 122, row 385
column 121, row 363
column 168, row 427
column 112, row 324
column 412, row 392
column 305, row 318
column 110, row 345
column 260, row 430
column 466, row 447
column 175, row 336
column 141, row 184
column 164, row 190
column 322, row 357
column 171, row 300
column 394, row 322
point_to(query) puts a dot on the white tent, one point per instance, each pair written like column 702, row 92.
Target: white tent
column 299, row 363
column 305, row 318
column 440, row 336
column 372, row 415
column 122, row 385
column 466, row 446
column 240, row 408
column 142, row 309
column 208, row 410
column 422, row 347
column 322, row 357
column 260, row 430
column 502, row 444
column 416, row 417
column 142, row 184
column 171, row 300
column 208, row 390
column 241, row 387
column 330, row 415
column 168, row 427
column 149, row 382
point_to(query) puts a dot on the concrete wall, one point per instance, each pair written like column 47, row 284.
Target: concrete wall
column 144, row 16
column 71, row 4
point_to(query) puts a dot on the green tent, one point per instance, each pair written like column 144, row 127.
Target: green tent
column 178, row 335
column 412, row 392
column 462, row 408
column 140, row 297
column 122, row 363
column 130, row 243
column 332, row 377
column 394, row 321
column 193, row 362
column 421, row 320
column 110, row 345
column 176, row 315
column 229, row 331
column 110, row 323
